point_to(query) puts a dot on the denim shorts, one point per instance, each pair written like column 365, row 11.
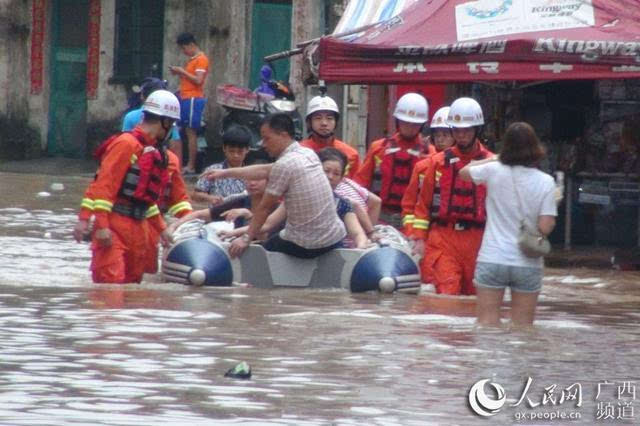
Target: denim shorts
column 524, row 279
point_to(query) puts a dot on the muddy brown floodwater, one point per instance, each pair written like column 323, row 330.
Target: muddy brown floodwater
column 75, row 353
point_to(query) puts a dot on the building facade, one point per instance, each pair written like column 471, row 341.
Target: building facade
column 67, row 67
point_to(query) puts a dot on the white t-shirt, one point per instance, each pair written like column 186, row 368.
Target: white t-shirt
column 536, row 191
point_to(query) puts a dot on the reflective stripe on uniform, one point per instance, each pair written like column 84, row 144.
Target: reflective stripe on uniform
column 408, row 219
column 152, row 211
column 177, row 208
column 133, row 159
column 87, row 203
column 104, row 205
column 421, row 224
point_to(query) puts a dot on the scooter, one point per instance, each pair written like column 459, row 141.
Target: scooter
column 248, row 108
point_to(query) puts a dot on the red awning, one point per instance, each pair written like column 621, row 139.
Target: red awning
column 488, row 40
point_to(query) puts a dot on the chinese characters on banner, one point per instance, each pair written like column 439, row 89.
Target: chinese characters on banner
column 93, row 49
column 37, row 41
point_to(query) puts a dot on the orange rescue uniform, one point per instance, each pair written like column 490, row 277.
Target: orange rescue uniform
column 353, row 159
column 176, row 203
column 127, row 258
column 410, row 197
column 451, row 245
column 370, row 175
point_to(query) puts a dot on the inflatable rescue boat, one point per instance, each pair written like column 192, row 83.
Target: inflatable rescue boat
column 199, row 257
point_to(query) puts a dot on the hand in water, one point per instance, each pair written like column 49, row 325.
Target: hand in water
column 81, row 230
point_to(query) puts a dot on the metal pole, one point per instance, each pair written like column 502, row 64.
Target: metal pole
column 567, row 213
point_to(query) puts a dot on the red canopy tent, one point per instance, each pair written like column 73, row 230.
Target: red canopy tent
column 484, row 40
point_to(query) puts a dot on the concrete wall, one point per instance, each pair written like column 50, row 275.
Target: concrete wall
column 111, row 99
column 222, row 28
column 15, row 23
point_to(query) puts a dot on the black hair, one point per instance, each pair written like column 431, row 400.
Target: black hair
column 150, row 117
column 186, row 38
column 333, row 154
column 280, row 122
column 151, row 84
column 239, row 136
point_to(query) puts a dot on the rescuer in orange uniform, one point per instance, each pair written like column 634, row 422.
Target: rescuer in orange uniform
column 455, row 225
column 133, row 177
column 322, row 119
column 174, row 202
column 442, row 139
column 387, row 168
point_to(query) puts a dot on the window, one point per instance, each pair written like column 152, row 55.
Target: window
column 139, row 40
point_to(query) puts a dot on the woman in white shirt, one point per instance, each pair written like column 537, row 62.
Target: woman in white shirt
column 500, row 262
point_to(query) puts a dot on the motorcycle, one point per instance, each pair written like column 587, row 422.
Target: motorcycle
column 248, row 108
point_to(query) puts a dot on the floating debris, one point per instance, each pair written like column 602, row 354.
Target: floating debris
column 240, row 371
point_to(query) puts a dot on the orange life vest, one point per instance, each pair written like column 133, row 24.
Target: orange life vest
column 461, row 200
column 147, row 180
column 392, row 176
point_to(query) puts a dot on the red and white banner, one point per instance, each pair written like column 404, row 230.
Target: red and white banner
column 38, row 16
column 439, row 41
column 93, row 49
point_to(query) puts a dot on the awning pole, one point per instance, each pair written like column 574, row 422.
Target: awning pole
column 300, row 46
column 567, row 213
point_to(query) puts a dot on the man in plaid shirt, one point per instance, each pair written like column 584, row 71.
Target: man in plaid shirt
column 312, row 225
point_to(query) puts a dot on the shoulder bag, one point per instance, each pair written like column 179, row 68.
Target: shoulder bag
column 531, row 242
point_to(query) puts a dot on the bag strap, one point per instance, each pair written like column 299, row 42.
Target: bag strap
column 523, row 220
column 515, row 188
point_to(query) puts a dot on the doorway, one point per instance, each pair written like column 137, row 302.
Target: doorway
column 270, row 33
column 68, row 98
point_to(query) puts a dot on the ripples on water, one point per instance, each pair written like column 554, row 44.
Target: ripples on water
column 76, row 353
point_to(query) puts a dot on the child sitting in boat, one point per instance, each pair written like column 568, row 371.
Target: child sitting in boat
column 334, row 164
column 355, row 218
column 235, row 146
column 234, row 208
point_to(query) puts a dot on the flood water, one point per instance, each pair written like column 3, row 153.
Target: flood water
column 75, row 353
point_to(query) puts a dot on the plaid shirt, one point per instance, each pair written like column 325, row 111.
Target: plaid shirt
column 222, row 187
column 312, row 221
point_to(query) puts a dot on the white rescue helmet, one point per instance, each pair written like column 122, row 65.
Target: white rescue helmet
column 412, row 108
column 322, row 103
column 465, row 112
column 162, row 103
column 439, row 120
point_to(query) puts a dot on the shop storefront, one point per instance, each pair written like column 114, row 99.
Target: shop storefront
column 570, row 68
